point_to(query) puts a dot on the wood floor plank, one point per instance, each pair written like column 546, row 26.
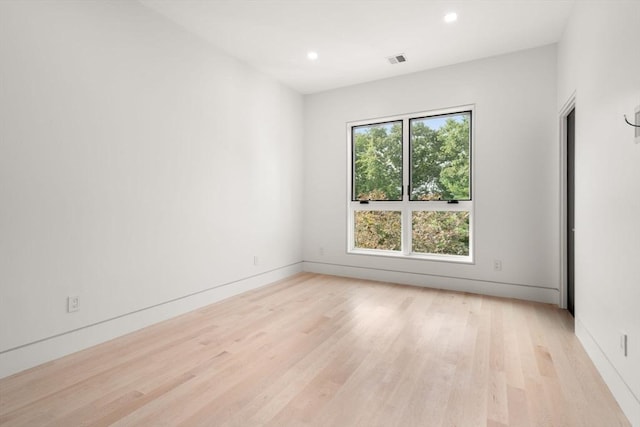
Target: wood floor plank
column 317, row 351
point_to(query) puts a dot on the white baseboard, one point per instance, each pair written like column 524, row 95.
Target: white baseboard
column 30, row 355
column 506, row 290
column 621, row 392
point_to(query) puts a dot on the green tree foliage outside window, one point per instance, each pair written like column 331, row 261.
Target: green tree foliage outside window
column 377, row 153
column 445, row 233
column 378, row 230
column 440, row 158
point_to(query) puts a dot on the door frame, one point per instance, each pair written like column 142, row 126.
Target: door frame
column 568, row 106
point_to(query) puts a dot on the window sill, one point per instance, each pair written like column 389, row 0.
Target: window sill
column 456, row 259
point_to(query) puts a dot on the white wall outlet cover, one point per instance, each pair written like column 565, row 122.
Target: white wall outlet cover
column 73, row 304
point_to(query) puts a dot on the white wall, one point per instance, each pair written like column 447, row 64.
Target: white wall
column 599, row 59
column 516, row 174
column 138, row 166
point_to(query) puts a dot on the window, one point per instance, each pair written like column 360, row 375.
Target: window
column 410, row 186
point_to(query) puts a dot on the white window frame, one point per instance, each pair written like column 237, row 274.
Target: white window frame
column 406, row 206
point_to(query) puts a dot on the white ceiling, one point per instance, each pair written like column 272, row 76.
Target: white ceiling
column 354, row 37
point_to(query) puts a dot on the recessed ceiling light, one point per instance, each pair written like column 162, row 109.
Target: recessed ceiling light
column 450, row 17
column 312, row 55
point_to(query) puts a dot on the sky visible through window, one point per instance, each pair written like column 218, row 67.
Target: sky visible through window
column 360, row 130
column 434, row 123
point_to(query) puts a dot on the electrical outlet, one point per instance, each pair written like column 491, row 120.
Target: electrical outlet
column 256, row 261
column 321, row 251
column 497, row 265
column 73, row 304
column 623, row 343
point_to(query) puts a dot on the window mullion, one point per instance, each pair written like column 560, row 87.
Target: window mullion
column 406, row 209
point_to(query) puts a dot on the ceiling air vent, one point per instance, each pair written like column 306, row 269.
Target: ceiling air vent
column 396, row 59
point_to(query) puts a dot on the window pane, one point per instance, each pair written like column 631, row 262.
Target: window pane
column 445, row 233
column 377, row 158
column 440, row 152
column 378, row 230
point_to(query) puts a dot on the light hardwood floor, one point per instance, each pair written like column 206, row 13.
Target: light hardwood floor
column 318, row 350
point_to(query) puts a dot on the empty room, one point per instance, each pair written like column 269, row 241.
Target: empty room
column 325, row 213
